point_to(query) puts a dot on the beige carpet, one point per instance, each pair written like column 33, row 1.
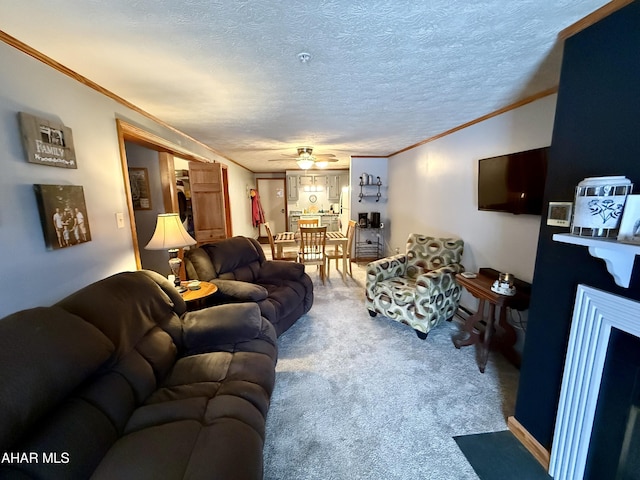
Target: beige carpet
column 364, row 398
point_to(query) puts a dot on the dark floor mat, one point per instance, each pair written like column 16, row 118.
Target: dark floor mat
column 500, row 456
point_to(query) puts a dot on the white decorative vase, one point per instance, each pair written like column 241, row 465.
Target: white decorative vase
column 598, row 206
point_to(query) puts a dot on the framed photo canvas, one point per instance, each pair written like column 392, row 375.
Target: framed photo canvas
column 63, row 215
column 630, row 225
column 47, row 142
column 140, row 192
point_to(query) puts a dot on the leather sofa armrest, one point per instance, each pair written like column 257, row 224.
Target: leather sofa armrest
column 221, row 327
column 281, row 269
column 239, row 291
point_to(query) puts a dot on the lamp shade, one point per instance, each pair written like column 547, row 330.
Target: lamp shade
column 169, row 233
column 305, row 163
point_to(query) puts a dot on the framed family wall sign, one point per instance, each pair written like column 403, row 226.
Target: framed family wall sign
column 47, row 142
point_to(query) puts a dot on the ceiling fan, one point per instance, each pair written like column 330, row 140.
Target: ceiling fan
column 306, row 159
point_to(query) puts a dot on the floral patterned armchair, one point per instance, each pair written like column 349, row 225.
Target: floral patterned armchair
column 417, row 288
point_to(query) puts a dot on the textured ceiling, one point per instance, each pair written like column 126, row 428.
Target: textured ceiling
column 383, row 75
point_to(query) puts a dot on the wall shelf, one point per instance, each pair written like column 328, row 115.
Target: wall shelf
column 618, row 256
column 375, row 195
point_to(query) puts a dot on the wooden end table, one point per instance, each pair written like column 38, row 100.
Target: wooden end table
column 195, row 299
column 478, row 329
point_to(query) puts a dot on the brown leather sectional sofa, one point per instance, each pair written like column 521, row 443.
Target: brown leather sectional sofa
column 118, row 381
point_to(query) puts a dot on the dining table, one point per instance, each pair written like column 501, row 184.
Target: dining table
column 292, row 239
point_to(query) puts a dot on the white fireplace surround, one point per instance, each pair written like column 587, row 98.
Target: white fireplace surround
column 595, row 313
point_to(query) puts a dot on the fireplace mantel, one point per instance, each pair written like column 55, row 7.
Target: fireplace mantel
column 618, row 256
column 595, row 313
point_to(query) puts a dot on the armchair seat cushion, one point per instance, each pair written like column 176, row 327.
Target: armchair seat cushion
column 398, row 290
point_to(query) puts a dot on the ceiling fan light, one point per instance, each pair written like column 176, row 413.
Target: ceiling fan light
column 305, row 164
column 322, row 163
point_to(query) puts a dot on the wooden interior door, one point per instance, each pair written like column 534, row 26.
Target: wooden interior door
column 207, row 201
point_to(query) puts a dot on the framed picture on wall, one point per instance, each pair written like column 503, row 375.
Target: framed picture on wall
column 140, row 192
column 63, row 215
column 47, row 142
column 629, row 231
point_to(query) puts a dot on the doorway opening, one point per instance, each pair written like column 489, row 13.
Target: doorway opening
column 164, row 182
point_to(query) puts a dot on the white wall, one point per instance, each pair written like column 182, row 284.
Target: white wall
column 433, row 190
column 32, row 274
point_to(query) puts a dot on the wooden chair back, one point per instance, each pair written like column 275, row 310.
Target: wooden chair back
column 337, row 251
column 351, row 230
column 271, row 240
column 308, row 222
column 289, row 256
column 313, row 241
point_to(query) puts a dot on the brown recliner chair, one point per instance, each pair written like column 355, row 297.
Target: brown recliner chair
column 240, row 270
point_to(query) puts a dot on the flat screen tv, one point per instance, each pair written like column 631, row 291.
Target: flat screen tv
column 513, row 183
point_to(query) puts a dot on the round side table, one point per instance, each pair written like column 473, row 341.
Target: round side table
column 196, row 298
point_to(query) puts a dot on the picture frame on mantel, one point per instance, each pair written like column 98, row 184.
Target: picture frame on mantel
column 629, row 231
column 47, row 142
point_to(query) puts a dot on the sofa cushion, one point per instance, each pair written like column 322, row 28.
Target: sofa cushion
column 236, row 258
column 198, row 265
column 125, row 307
column 45, row 354
column 240, row 291
column 186, row 449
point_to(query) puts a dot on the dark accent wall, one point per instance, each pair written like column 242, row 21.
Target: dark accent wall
column 596, row 133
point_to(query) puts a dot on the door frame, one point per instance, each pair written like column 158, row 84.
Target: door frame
column 166, row 150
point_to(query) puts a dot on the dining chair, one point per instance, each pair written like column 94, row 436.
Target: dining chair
column 308, row 222
column 289, row 256
column 313, row 241
column 337, row 251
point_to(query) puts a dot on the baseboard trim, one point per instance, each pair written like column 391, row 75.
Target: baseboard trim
column 529, row 442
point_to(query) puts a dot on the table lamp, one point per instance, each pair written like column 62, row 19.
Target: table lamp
column 170, row 235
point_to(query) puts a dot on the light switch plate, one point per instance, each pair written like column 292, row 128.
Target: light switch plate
column 120, row 219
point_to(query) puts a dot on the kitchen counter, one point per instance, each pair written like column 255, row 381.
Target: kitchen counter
column 299, row 214
column 331, row 220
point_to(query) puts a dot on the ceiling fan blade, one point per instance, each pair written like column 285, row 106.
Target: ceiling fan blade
column 323, row 155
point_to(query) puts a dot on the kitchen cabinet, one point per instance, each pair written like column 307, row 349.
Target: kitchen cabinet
column 292, row 188
column 313, row 183
column 332, row 222
column 293, row 223
column 335, row 182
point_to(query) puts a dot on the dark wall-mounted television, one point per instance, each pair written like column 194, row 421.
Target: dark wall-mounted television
column 513, row 183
